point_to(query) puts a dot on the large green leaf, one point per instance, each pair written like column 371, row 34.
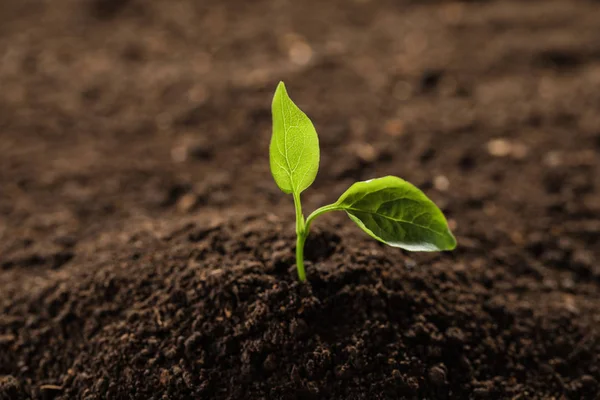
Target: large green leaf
column 397, row 213
column 294, row 149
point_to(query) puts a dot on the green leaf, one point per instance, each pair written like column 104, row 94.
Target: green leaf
column 395, row 212
column 294, row 149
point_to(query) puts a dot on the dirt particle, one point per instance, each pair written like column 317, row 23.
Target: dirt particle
column 191, row 343
column 270, row 363
column 11, row 389
column 164, row 377
column 455, row 335
column 366, row 152
column 437, row 375
column 588, row 382
column 187, row 202
column 295, row 375
column 300, row 53
column 281, row 260
column 441, row 183
column 298, row 327
column 499, row 147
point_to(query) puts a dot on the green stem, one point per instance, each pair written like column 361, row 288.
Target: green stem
column 302, row 229
column 299, row 215
column 300, row 257
column 300, row 238
column 319, row 211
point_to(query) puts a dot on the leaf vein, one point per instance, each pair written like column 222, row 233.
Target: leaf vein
column 397, row 220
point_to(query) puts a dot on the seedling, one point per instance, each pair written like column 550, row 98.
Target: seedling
column 389, row 209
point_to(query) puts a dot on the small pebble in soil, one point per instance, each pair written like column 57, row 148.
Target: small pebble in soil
column 300, row 53
column 498, row 147
column 441, row 183
column 365, row 152
column 588, row 381
column 298, row 50
column 187, row 202
column 190, row 343
column 505, row 148
column 437, row 375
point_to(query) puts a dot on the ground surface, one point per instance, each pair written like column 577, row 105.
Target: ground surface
column 145, row 252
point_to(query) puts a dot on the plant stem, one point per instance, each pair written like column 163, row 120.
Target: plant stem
column 302, row 229
column 319, row 211
column 300, row 238
column 300, row 257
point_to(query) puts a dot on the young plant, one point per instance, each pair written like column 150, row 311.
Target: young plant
column 389, row 209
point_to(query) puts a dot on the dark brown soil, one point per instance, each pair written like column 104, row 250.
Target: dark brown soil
column 145, row 252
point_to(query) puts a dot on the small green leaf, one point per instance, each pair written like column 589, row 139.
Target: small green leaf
column 294, row 149
column 395, row 212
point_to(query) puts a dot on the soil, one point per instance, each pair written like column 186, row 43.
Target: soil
column 146, row 253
